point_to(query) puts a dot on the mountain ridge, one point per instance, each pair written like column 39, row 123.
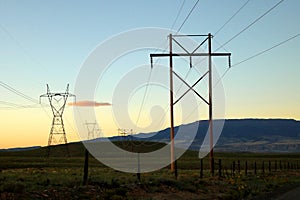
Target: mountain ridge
column 249, row 134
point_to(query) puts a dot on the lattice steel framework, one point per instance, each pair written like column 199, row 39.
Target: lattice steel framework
column 57, row 133
column 93, row 130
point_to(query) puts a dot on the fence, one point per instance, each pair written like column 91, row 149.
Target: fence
column 235, row 167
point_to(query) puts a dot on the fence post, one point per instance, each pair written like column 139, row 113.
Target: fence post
column 263, row 167
column 86, row 167
column 176, row 172
column 233, row 167
column 280, row 166
column 213, row 167
column 220, row 168
column 288, row 166
column 246, row 168
column 255, row 167
column 275, row 165
column 138, row 167
column 239, row 166
column 269, row 166
column 201, row 168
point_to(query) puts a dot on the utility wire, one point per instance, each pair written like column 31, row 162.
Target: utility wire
column 258, row 54
column 182, row 24
column 231, row 17
column 144, row 97
column 227, row 23
column 18, row 106
column 251, row 57
column 10, row 104
column 8, row 87
column 186, row 18
column 266, row 50
column 178, row 13
column 251, row 24
column 149, row 77
column 18, row 43
column 247, row 27
column 244, row 29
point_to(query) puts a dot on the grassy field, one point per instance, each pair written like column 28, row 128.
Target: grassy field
column 30, row 175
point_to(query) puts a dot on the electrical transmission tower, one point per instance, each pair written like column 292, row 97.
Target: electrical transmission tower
column 126, row 141
column 93, row 130
column 209, row 102
column 57, row 133
column 124, row 132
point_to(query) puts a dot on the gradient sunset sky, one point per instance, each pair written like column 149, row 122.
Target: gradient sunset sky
column 48, row 41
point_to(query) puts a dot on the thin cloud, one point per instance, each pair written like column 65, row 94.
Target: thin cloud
column 88, row 104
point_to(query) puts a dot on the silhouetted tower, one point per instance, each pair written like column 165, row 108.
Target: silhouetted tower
column 57, row 133
column 124, row 132
column 171, row 55
column 93, row 130
column 126, row 135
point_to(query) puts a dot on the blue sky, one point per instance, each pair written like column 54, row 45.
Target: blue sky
column 47, row 42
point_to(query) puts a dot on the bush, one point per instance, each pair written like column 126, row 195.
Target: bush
column 16, row 187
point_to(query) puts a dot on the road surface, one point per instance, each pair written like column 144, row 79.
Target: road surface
column 290, row 195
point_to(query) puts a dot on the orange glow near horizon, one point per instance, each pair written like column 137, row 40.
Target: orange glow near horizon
column 23, row 128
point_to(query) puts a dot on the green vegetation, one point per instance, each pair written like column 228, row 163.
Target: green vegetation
column 30, row 175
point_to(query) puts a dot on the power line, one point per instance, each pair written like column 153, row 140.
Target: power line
column 8, row 87
column 18, row 43
column 247, row 59
column 184, row 21
column 227, row 23
column 251, row 24
column 257, row 54
column 144, row 97
column 18, row 106
column 266, row 50
column 10, row 104
column 251, row 57
column 231, row 17
column 186, row 18
column 178, row 13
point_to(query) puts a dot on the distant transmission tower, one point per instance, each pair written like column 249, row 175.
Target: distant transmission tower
column 57, row 133
column 124, row 132
column 126, row 137
column 93, row 130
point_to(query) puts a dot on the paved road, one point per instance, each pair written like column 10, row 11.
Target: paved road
column 290, row 195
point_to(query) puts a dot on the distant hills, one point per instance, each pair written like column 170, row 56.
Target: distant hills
column 247, row 135
column 260, row 135
column 20, row 149
column 250, row 135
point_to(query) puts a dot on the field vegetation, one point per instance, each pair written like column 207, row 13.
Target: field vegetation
column 31, row 175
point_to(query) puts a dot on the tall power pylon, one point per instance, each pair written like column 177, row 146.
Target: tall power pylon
column 126, row 135
column 93, row 130
column 209, row 102
column 57, row 133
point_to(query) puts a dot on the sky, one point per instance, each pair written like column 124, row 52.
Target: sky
column 47, row 42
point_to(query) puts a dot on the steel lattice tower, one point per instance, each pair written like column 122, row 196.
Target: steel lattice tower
column 57, row 133
column 93, row 130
